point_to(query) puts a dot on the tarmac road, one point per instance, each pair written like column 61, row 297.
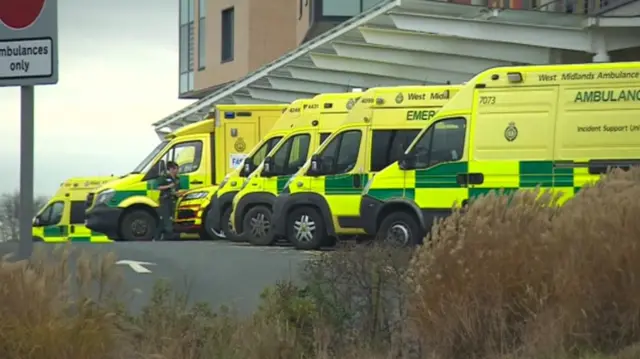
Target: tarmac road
column 220, row 273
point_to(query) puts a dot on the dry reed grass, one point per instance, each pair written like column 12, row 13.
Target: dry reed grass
column 513, row 277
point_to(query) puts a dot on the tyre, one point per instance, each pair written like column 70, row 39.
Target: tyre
column 256, row 226
column 227, row 229
column 306, row 229
column 207, row 232
column 401, row 229
column 138, row 225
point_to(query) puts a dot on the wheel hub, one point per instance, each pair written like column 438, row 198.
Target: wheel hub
column 139, row 227
column 259, row 225
column 304, row 228
column 398, row 234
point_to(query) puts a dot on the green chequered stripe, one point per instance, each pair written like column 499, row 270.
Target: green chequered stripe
column 56, row 231
column 343, row 184
column 282, row 180
column 530, row 175
column 151, row 185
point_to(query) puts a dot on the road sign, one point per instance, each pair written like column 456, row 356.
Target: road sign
column 28, row 42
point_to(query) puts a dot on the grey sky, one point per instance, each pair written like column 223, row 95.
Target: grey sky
column 118, row 74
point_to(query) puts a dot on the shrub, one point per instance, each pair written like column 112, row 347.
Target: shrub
column 516, row 275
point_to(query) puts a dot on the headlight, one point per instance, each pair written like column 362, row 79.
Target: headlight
column 366, row 188
column 194, row 195
column 105, row 196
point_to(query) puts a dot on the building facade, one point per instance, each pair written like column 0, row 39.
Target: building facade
column 224, row 40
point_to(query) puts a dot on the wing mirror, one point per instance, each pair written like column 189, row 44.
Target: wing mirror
column 36, row 221
column 407, row 162
column 268, row 166
column 248, row 168
column 316, row 163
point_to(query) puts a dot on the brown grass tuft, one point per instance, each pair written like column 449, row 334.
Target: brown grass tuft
column 516, row 275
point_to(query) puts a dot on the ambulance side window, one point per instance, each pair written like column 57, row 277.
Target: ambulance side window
column 261, row 153
column 77, row 212
column 186, row 154
column 291, row 155
column 52, row 215
column 388, row 146
column 341, row 154
column 442, row 142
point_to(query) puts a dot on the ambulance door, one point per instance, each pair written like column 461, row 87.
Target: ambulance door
column 239, row 138
column 344, row 177
column 51, row 221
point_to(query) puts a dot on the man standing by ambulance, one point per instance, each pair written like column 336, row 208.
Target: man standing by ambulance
column 168, row 184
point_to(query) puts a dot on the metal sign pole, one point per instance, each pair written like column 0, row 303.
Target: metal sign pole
column 26, row 170
column 28, row 57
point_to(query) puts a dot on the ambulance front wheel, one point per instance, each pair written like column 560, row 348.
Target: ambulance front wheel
column 400, row 229
column 227, row 228
column 138, row 225
column 257, row 226
column 306, row 229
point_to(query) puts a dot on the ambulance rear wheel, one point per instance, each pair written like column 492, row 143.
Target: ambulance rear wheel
column 257, row 226
column 306, row 229
column 138, row 225
column 227, row 228
column 400, row 229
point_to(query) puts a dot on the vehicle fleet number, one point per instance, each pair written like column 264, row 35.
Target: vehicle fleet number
column 487, row 100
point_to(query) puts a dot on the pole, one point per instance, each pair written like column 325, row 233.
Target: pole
column 26, row 170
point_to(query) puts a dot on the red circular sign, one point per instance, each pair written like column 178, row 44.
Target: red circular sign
column 20, row 14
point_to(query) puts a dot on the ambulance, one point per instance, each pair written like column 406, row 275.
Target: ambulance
column 252, row 205
column 62, row 219
column 322, row 201
column 557, row 127
column 206, row 211
column 126, row 209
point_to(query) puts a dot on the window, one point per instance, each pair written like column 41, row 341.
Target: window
column 202, row 42
column 52, row 215
column 186, row 155
column 324, row 136
column 341, row 154
column 442, row 142
column 261, row 153
column 388, row 146
column 340, row 8
column 146, row 162
column 227, row 35
column 291, row 155
column 77, row 212
column 186, row 60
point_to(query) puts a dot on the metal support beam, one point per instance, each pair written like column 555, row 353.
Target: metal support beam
column 444, row 63
column 348, row 78
column 276, row 95
column 339, row 63
column 514, row 33
column 411, row 40
column 249, row 100
column 297, row 85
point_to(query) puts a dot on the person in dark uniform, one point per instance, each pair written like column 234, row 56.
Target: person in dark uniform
column 169, row 185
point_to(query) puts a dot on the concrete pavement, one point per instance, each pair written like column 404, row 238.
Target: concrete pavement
column 220, row 273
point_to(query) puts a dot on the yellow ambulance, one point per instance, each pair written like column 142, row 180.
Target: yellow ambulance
column 126, row 209
column 322, row 201
column 555, row 126
column 205, row 211
column 251, row 206
column 62, row 218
